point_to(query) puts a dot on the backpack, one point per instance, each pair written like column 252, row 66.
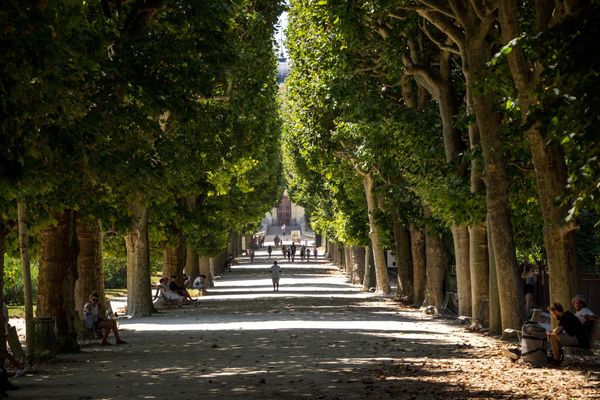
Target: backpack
column 534, row 343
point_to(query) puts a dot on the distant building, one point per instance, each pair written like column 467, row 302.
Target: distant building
column 286, row 213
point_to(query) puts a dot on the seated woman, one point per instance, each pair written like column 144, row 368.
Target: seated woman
column 166, row 295
column 92, row 320
column 180, row 290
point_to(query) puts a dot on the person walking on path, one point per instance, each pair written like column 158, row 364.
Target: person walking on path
column 269, row 250
column 275, row 273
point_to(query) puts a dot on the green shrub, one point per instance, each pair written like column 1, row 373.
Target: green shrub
column 13, row 280
column 115, row 273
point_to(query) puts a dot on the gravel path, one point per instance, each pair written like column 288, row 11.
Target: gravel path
column 318, row 338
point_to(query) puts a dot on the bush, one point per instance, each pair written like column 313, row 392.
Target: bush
column 13, row 281
column 115, row 273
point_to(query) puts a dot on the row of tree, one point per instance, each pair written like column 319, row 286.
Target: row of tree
column 464, row 129
column 152, row 121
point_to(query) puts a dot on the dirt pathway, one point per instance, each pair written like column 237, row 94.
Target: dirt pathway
column 318, row 338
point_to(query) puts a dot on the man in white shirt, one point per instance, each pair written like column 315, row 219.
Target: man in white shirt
column 581, row 309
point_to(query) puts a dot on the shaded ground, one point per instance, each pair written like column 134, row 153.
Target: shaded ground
column 318, row 338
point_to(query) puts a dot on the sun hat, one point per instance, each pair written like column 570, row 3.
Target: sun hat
column 578, row 297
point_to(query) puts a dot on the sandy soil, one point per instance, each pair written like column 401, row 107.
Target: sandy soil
column 318, row 338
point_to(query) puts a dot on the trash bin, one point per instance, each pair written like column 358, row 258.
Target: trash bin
column 44, row 336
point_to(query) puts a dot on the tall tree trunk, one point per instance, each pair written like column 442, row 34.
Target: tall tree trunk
column 3, row 233
column 349, row 262
column 88, row 264
column 381, row 275
column 139, row 294
column 403, row 259
column 204, row 262
column 480, row 267
column 192, row 266
column 26, row 270
column 496, row 181
column 479, row 260
column 495, row 319
column 174, row 253
column 358, row 267
column 460, row 236
column 56, row 280
column 436, row 271
column 547, row 155
column 417, row 241
column 369, row 278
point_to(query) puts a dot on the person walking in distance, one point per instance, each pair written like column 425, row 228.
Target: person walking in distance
column 275, row 274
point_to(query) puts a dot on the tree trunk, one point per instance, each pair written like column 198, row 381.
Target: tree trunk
column 192, row 267
column 495, row 318
column 497, row 186
column 403, row 260
column 56, row 280
column 26, row 270
column 3, row 233
column 204, row 262
column 348, row 261
column 139, row 294
column 436, row 271
column 460, row 236
column 358, row 267
column 88, row 263
column 417, row 241
column 381, row 275
column 548, row 159
column 369, row 278
column 174, row 256
column 480, row 267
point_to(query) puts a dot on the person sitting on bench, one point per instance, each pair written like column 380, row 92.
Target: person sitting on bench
column 569, row 332
column 200, row 284
column 94, row 321
column 582, row 311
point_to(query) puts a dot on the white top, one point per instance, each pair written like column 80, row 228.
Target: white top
column 582, row 313
column 197, row 283
column 88, row 317
column 275, row 270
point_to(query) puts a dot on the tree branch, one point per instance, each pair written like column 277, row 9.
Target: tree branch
column 439, row 7
column 445, row 26
column 439, row 44
column 483, row 10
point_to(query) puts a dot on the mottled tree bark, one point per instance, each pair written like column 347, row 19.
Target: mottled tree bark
column 89, row 262
column 480, row 269
column 358, row 267
column 192, row 267
column 204, row 262
column 436, row 269
column 417, row 241
column 174, row 256
column 139, row 294
column 403, row 260
column 56, row 280
column 460, row 236
column 381, row 275
column 547, row 155
column 495, row 318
